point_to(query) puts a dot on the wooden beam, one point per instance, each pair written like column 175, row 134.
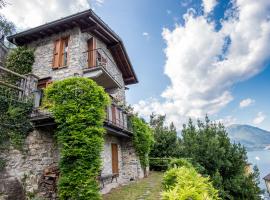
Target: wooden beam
column 90, row 29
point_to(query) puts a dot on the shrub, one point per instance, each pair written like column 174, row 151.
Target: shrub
column 159, row 164
column 185, row 183
column 78, row 106
column 179, row 162
column 142, row 139
column 20, row 60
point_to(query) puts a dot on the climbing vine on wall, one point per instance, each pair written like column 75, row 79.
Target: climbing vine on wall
column 78, row 106
column 14, row 114
column 142, row 139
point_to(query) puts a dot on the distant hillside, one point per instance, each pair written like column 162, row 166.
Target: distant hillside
column 251, row 137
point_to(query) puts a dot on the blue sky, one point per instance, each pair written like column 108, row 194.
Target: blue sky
column 184, row 64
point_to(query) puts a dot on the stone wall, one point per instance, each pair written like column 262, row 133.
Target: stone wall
column 129, row 164
column 24, row 169
column 3, row 53
column 44, row 49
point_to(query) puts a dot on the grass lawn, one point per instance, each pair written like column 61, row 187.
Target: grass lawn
column 145, row 189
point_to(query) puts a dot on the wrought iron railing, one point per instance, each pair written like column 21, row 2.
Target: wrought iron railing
column 98, row 58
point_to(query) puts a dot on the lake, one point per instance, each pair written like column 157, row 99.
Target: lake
column 262, row 160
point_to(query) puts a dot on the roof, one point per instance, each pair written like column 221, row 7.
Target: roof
column 267, row 178
column 89, row 22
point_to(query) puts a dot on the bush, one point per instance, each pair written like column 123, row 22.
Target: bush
column 78, row 106
column 185, row 183
column 179, row 162
column 159, row 164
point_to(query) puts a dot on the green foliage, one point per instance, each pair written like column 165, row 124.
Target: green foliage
column 78, row 106
column 6, row 26
column 208, row 145
column 179, row 162
column 20, row 60
column 142, row 139
column 186, row 183
column 166, row 140
column 159, row 164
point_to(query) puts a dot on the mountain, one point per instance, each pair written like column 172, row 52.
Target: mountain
column 251, row 137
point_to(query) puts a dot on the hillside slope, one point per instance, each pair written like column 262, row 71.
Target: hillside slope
column 251, row 137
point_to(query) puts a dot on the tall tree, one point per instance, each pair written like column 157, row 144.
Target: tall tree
column 209, row 145
column 6, row 27
column 166, row 140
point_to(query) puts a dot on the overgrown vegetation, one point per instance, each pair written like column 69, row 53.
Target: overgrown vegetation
column 166, row 140
column 78, row 106
column 14, row 114
column 186, row 183
column 207, row 146
column 142, row 139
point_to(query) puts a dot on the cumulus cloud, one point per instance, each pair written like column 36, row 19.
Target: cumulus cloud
column 246, row 102
column 209, row 5
column 259, row 118
column 203, row 63
column 32, row 13
column 227, row 121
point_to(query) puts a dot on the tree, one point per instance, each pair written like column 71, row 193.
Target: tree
column 209, row 145
column 166, row 140
column 6, row 27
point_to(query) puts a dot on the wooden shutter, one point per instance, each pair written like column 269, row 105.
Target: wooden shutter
column 115, row 169
column 92, row 52
column 113, row 114
column 56, row 54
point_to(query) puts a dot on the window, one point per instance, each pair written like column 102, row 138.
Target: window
column 60, row 55
column 92, row 52
column 42, row 84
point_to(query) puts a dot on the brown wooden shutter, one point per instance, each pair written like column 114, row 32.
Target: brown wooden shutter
column 56, row 54
column 92, row 52
column 113, row 114
column 63, row 44
column 115, row 169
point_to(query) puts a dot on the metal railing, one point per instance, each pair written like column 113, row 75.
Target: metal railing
column 118, row 118
column 99, row 58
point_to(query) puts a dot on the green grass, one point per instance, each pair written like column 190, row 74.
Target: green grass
column 145, row 189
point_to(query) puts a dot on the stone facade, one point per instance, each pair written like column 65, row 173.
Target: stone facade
column 24, row 168
column 77, row 59
column 3, row 53
column 129, row 164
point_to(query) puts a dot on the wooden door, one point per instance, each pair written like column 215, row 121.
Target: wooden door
column 92, row 52
column 115, row 169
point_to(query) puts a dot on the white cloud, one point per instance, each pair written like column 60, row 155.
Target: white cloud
column 32, row 13
column 227, row 121
column 203, row 63
column 209, row 5
column 259, row 118
column 257, row 158
column 185, row 3
column 169, row 12
column 145, row 34
column 246, row 102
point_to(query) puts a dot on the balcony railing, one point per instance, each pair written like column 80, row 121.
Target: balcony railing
column 116, row 117
column 98, row 65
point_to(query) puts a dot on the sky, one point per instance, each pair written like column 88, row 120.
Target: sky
column 192, row 57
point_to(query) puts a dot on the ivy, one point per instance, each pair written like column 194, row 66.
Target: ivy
column 142, row 139
column 78, row 106
column 14, row 115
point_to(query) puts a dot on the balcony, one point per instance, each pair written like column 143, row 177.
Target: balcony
column 98, row 66
column 116, row 121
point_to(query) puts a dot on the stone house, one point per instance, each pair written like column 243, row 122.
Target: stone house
column 78, row 45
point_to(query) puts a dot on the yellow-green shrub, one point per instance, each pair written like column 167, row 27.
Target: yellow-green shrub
column 185, row 183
